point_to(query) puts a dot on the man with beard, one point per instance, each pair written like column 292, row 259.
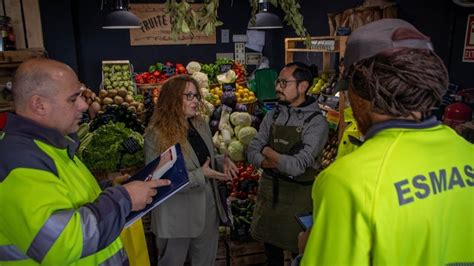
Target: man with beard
column 287, row 146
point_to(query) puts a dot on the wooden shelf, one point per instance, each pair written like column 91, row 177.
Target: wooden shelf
column 311, row 50
column 12, row 59
column 296, row 45
column 6, row 107
column 9, row 61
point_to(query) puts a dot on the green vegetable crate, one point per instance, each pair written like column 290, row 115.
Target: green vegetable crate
column 242, row 212
column 118, row 75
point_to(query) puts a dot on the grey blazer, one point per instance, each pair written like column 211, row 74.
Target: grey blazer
column 183, row 214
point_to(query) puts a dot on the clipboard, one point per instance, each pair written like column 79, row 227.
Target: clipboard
column 175, row 171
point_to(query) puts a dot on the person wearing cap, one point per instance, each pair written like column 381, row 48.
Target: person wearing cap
column 406, row 195
column 288, row 145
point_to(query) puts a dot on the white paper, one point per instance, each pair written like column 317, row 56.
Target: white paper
column 158, row 173
column 255, row 40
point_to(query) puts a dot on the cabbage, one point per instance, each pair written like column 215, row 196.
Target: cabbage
column 241, row 119
column 237, row 129
column 236, row 151
column 246, row 134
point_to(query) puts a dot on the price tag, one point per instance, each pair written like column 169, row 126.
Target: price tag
column 169, row 71
column 224, row 68
column 228, row 87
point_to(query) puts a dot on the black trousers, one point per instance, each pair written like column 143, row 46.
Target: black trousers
column 274, row 254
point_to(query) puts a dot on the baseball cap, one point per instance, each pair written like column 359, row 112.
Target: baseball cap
column 384, row 36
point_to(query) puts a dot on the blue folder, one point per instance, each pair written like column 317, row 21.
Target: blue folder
column 178, row 175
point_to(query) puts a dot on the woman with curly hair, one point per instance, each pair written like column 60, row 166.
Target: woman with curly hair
column 187, row 224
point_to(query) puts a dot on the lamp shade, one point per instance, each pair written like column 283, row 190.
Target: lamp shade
column 121, row 19
column 265, row 21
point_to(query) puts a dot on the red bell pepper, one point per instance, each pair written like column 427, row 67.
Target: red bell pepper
column 139, row 79
column 156, row 73
column 151, row 79
column 145, row 75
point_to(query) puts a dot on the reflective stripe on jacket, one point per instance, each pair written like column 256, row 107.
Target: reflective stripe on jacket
column 53, row 210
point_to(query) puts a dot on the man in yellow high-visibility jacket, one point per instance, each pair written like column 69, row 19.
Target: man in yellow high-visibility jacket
column 406, row 195
column 53, row 212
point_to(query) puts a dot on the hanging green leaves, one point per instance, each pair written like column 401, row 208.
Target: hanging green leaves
column 292, row 17
column 185, row 20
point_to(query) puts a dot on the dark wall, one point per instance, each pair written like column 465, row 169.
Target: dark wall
column 73, row 34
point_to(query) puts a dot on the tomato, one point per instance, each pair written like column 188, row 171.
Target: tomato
column 250, row 168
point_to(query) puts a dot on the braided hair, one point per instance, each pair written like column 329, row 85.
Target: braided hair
column 407, row 81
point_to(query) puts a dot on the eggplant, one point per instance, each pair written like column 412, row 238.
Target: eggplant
column 240, row 107
column 228, row 98
column 214, row 125
column 216, row 115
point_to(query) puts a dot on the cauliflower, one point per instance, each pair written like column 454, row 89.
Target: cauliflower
column 202, row 79
column 205, row 93
column 193, row 67
column 227, row 77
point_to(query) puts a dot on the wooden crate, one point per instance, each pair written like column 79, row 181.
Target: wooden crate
column 251, row 259
column 26, row 22
column 246, row 253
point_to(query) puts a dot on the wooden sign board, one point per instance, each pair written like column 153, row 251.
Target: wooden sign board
column 156, row 27
column 468, row 55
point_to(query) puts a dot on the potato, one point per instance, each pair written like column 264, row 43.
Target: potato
column 87, row 93
column 112, row 93
column 107, row 101
column 126, row 104
column 129, row 98
column 118, row 100
column 103, row 94
column 95, row 106
column 122, row 93
column 140, row 107
column 132, row 108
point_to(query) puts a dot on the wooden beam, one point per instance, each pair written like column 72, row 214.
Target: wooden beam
column 34, row 31
column 2, row 11
column 13, row 10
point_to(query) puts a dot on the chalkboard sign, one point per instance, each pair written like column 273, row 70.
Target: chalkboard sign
column 225, row 67
column 228, row 87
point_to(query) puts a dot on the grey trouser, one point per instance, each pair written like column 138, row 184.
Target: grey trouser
column 201, row 250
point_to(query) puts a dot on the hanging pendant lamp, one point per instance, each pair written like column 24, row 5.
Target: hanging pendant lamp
column 121, row 18
column 265, row 20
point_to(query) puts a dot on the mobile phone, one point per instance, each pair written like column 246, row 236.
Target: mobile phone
column 305, row 220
